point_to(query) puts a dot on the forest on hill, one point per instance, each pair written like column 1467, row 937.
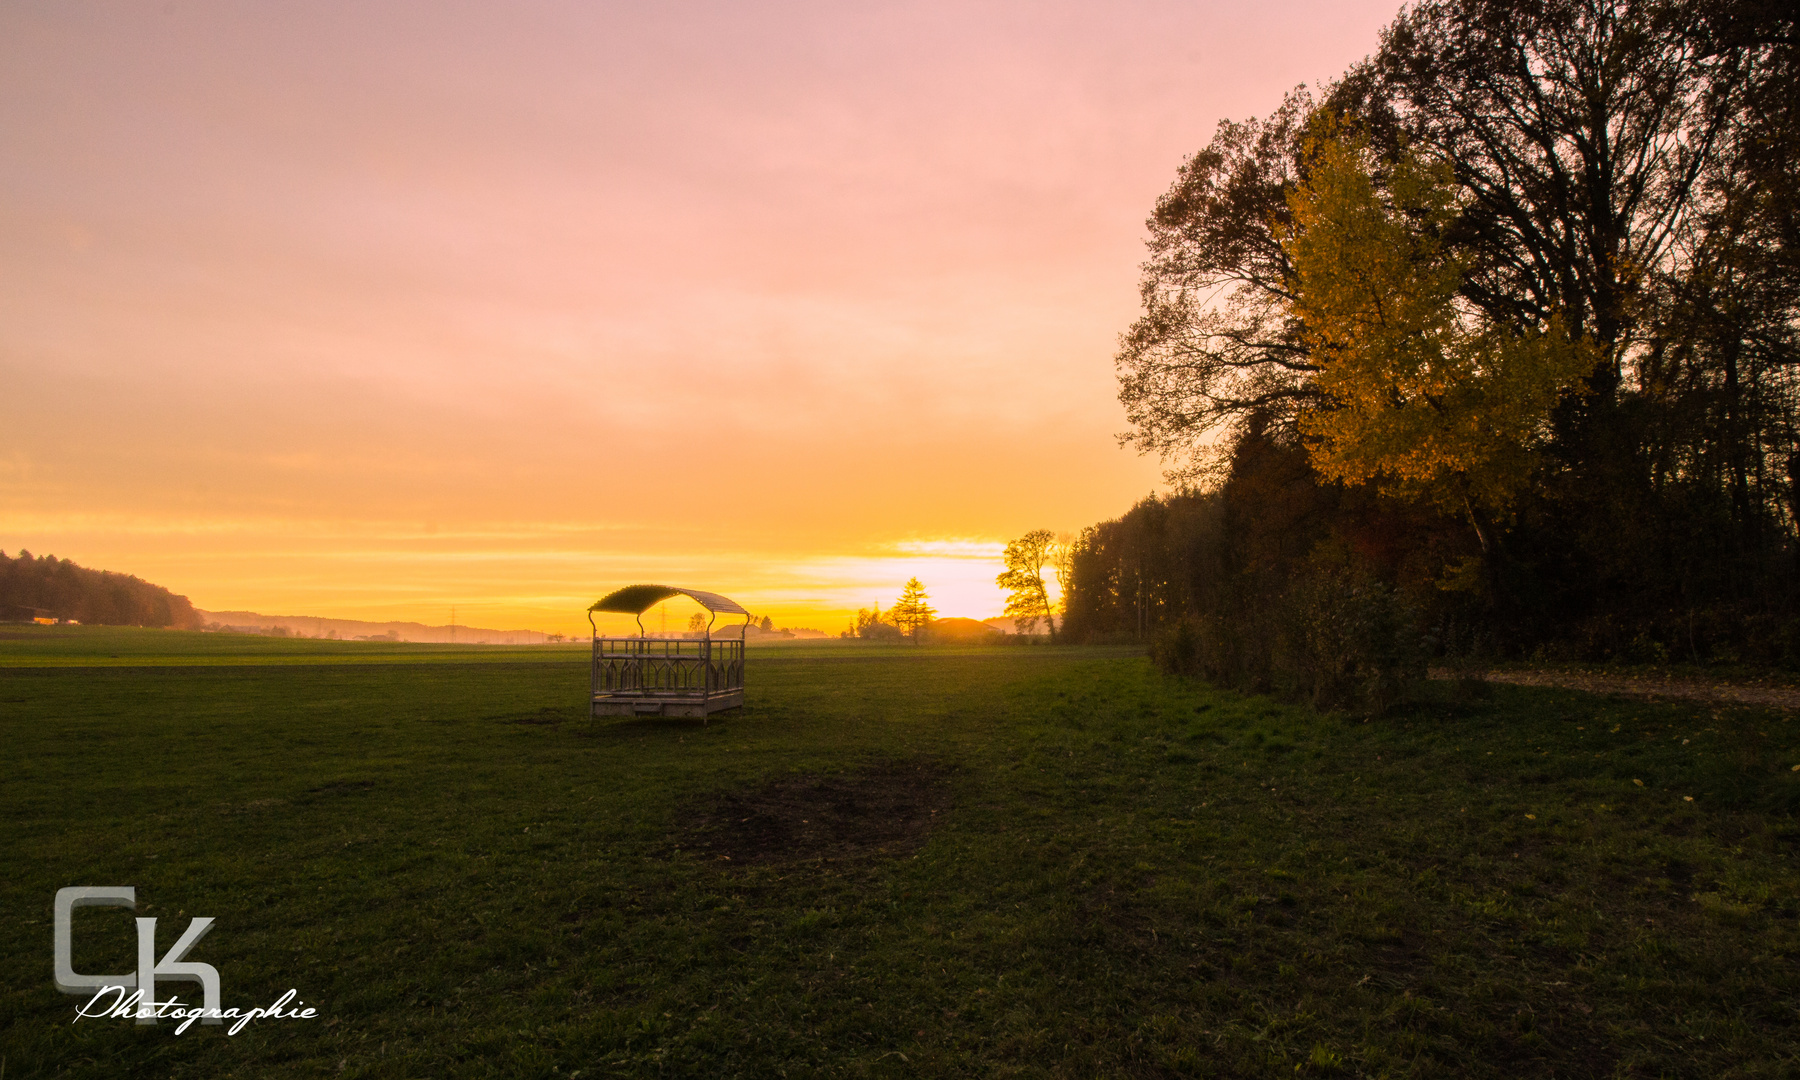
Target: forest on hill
column 48, row 587
column 1486, row 348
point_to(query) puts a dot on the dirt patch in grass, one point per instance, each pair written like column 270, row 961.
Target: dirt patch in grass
column 881, row 810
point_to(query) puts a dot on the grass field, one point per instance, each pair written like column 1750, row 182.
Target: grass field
column 891, row 862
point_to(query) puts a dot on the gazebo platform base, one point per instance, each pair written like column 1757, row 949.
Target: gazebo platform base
column 693, row 705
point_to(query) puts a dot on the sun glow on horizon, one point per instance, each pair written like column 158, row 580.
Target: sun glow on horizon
column 489, row 576
column 366, row 313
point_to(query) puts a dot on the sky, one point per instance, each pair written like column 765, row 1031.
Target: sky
column 367, row 310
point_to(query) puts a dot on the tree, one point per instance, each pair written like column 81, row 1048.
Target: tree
column 873, row 625
column 696, row 623
column 1615, row 158
column 1217, row 345
column 1422, row 396
column 768, row 624
column 1619, row 180
column 911, row 613
column 1027, row 599
column 57, row 587
column 1578, row 132
column 1062, row 557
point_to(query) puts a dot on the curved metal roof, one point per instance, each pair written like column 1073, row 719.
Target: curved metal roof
column 637, row 599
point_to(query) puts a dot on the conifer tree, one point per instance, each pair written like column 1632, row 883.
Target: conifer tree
column 911, row 613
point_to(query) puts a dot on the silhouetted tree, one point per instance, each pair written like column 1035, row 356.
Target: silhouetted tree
column 911, row 613
column 1028, row 599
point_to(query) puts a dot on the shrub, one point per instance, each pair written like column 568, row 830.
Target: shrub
column 1350, row 641
column 1177, row 649
column 1338, row 639
column 874, row 625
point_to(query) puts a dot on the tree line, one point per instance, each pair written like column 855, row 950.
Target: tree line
column 906, row 620
column 1487, row 346
column 1029, row 603
column 48, row 587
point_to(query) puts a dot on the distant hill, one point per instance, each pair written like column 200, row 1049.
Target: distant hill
column 249, row 622
column 955, row 631
column 46, row 587
column 1005, row 625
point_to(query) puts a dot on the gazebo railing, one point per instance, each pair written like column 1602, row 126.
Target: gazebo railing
column 647, row 668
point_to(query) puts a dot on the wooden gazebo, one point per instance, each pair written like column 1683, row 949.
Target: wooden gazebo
column 646, row 676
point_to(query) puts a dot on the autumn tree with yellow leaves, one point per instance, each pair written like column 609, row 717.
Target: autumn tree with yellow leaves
column 1530, row 268
column 1420, row 394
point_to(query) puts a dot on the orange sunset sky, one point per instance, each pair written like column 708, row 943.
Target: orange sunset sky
column 364, row 310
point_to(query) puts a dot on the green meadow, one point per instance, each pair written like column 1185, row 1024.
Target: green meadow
column 1025, row 861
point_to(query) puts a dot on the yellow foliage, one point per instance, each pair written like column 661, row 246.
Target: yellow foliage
column 1426, row 398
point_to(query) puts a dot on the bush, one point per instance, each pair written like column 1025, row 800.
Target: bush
column 1177, row 650
column 1718, row 634
column 881, row 632
column 1351, row 641
column 1340, row 640
column 873, row 625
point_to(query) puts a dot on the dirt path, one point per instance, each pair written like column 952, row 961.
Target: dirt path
column 1772, row 695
